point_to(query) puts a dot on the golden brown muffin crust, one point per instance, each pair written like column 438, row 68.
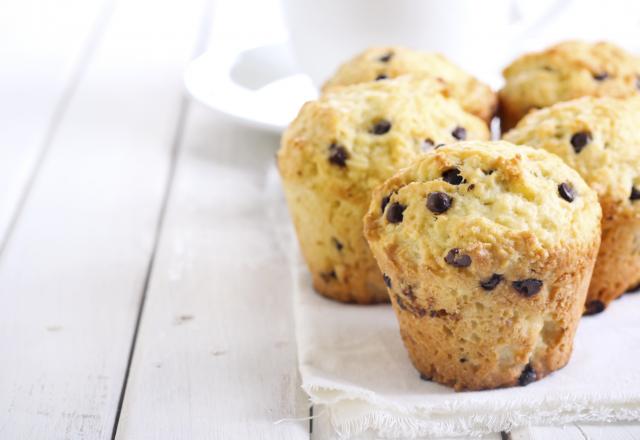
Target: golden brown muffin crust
column 379, row 63
column 489, row 280
column 337, row 150
column 600, row 138
column 566, row 71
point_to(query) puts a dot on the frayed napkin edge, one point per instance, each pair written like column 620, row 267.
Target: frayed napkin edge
column 390, row 421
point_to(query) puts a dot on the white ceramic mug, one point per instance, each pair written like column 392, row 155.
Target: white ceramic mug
column 475, row 34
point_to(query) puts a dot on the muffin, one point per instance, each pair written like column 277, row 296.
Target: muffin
column 563, row 72
column 337, row 150
column 487, row 250
column 600, row 138
column 380, row 63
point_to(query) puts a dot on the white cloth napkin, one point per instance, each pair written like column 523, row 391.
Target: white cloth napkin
column 352, row 361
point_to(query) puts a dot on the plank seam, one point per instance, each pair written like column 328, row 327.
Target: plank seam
column 176, row 143
column 505, row 435
column 173, row 165
column 584, row 434
column 68, row 91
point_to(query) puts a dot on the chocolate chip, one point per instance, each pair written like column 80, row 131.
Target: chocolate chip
column 459, row 133
column 528, row 287
column 580, row 140
column 463, row 360
column 527, row 376
column 491, row 282
column 635, row 194
column 384, row 202
column 395, row 212
column 504, row 435
column 440, row 313
column 386, row 57
column 438, row 202
column 456, row 259
column 425, row 377
column 328, row 276
column 452, row 176
column 427, row 144
column 338, row 155
column 470, row 187
column 409, row 307
column 567, row 192
column 381, row 76
column 337, row 243
column 593, row 307
column 408, row 292
column 381, row 127
column 387, row 280
column 600, row 76
column 401, row 303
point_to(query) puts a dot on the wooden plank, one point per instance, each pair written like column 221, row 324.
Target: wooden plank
column 582, row 431
column 569, row 432
column 612, row 431
column 215, row 356
column 74, row 269
column 44, row 48
column 321, row 428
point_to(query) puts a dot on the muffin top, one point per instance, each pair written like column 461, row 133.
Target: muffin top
column 569, row 70
column 379, row 63
column 598, row 137
column 486, row 207
column 353, row 138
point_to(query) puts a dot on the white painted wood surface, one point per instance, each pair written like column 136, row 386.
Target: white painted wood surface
column 92, row 265
column 73, row 271
column 582, row 431
column 43, row 52
column 215, row 355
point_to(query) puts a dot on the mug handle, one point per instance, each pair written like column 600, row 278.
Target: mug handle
column 522, row 25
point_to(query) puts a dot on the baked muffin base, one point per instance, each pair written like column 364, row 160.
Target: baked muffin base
column 356, row 289
column 618, row 265
column 535, row 343
column 509, row 114
column 336, row 252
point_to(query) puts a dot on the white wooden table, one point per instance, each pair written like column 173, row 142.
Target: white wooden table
column 127, row 310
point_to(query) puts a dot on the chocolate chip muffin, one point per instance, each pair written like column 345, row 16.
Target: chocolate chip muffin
column 563, row 72
column 600, row 138
column 487, row 250
column 337, row 150
column 381, row 63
